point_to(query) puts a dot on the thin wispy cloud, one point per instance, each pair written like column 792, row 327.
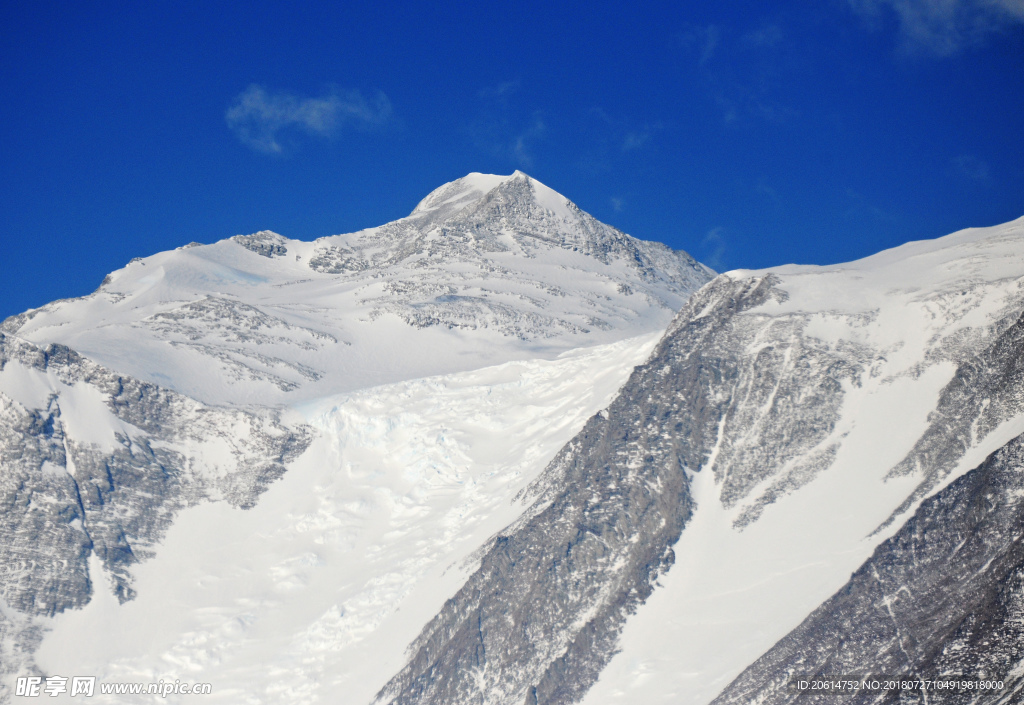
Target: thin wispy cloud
column 762, row 187
column 602, row 115
column 704, row 39
column 612, row 136
column 259, row 118
column 523, row 146
column 501, row 90
column 617, row 204
column 861, row 208
column 635, row 139
column 737, row 99
column 628, row 134
column 943, row 27
column 713, row 246
column 767, row 36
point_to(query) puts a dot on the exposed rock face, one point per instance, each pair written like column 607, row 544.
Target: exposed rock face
column 264, row 243
column 102, row 441
column 73, row 495
column 516, row 214
column 98, row 463
column 538, row 620
column 941, row 598
column 944, row 596
column 239, row 337
column 768, row 392
column 754, row 387
column 485, row 226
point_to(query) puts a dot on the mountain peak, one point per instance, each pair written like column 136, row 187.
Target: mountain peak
column 456, row 196
column 487, row 269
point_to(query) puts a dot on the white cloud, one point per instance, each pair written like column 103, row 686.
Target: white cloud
column 743, row 73
column 501, row 90
column 258, row 117
column 765, row 37
column 522, row 150
column 764, row 189
column 504, row 127
column 944, row 27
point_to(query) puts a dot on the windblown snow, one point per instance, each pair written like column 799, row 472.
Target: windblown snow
column 428, row 368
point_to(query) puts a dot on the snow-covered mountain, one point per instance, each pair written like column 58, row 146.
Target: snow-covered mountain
column 410, row 378
column 486, row 269
column 460, row 459
column 832, row 410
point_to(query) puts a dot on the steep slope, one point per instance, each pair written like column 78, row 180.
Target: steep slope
column 486, row 269
column 756, row 453
column 914, row 323
column 943, row 596
column 816, row 468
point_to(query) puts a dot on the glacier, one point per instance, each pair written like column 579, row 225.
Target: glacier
column 905, row 319
column 319, row 588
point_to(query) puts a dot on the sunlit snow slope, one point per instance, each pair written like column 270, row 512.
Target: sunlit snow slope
column 453, row 460
column 314, row 594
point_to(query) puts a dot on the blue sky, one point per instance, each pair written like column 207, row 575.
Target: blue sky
column 749, row 134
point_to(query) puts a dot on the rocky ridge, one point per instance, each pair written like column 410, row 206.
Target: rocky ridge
column 610, row 507
column 103, row 441
column 874, row 386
